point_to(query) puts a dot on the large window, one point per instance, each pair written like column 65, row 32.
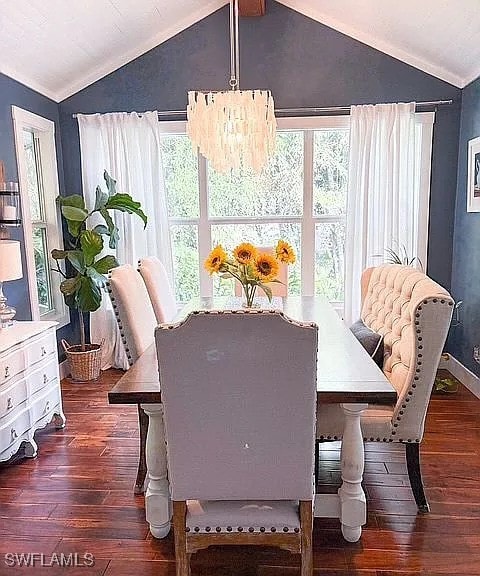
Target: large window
column 300, row 197
column 36, row 157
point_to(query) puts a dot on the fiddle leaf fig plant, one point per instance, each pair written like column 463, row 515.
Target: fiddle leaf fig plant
column 85, row 277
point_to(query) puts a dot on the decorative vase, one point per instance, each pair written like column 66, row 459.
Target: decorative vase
column 249, row 293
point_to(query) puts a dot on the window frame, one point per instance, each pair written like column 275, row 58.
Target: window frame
column 44, row 131
column 308, row 220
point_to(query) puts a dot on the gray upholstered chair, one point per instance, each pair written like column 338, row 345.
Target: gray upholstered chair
column 239, row 399
column 413, row 314
column 136, row 321
column 277, row 289
column 158, row 286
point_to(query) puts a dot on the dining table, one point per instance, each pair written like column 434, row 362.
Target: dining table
column 346, row 375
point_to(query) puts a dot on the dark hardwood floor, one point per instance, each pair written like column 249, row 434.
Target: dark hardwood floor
column 77, row 497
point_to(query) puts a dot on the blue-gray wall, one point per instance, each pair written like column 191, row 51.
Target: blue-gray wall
column 466, row 259
column 14, row 93
column 303, row 63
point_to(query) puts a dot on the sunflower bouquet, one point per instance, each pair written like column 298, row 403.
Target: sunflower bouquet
column 251, row 267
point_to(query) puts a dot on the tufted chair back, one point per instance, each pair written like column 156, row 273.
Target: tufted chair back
column 158, row 285
column 413, row 314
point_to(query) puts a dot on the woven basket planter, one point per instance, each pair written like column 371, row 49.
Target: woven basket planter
column 85, row 365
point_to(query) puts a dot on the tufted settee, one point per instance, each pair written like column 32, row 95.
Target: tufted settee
column 413, row 314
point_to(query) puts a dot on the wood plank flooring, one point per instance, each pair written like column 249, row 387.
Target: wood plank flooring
column 77, row 497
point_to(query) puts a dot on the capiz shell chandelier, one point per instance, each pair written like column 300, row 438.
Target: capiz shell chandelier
column 233, row 128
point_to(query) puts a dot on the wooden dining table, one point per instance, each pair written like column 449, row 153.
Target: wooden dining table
column 346, row 375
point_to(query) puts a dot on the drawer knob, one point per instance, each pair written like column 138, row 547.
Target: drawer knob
column 45, row 378
column 7, row 371
column 9, row 403
column 47, row 406
column 43, row 351
column 14, row 434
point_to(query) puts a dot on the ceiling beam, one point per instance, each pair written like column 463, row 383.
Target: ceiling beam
column 251, row 7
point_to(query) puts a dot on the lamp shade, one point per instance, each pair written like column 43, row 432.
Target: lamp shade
column 10, row 260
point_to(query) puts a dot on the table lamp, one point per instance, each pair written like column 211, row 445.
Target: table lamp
column 10, row 269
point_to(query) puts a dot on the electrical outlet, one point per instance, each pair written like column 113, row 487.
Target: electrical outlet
column 476, row 353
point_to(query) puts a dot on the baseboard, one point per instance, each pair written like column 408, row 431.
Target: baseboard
column 466, row 376
column 64, row 369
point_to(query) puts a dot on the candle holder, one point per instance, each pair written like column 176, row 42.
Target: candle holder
column 9, row 204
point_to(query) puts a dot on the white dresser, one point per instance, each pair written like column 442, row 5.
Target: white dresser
column 30, row 394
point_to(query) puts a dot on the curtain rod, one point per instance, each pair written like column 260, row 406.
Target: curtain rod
column 313, row 111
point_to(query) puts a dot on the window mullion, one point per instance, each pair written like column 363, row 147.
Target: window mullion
column 204, row 228
column 308, row 224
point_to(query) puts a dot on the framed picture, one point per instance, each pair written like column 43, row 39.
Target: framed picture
column 473, row 186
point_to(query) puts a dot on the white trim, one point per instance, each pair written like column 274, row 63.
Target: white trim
column 45, row 129
column 462, row 373
column 14, row 74
column 311, row 9
column 64, row 369
column 307, row 221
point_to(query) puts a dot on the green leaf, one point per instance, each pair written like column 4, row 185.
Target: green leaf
column 105, row 264
column 111, row 183
column 125, row 203
column 70, row 286
column 74, row 213
column 74, row 200
column 76, row 259
column 89, row 295
column 59, row 254
column 98, row 279
column 100, row 229
column 267, row 290
column 100, row 198
column 112, row 229
column 74, row 228
column 91, row 244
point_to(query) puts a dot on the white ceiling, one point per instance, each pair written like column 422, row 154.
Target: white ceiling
column 58, row 46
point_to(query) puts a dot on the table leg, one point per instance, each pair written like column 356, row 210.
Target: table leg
column 157, row 497
column 353, row 507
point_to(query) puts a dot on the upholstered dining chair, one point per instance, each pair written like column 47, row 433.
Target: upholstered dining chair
column 239, row 400
column 277, row 289
column 413, row 314
column 158, row 286
column 136, row 321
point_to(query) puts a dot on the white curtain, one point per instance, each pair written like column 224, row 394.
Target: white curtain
column 127, row 145
column 383, row 202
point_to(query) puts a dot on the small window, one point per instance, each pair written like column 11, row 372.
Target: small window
column 37, row 167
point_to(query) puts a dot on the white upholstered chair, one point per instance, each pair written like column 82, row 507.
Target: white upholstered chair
column 158, row 286
column 413, row 314
column 239, row 399
column 136, row 321
column 277, row 289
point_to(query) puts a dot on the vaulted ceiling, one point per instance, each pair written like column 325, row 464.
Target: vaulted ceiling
column 59, row 47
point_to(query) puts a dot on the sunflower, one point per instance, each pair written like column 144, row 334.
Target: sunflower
column 285, row 252
column 216, row 259
column 266, row 267
column 245, row 253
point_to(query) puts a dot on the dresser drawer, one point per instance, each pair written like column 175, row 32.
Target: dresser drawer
column 46, row 402
column 40, row 348
column 13, row 427
column 46, row 373
column 11, row 365
column 11, row 395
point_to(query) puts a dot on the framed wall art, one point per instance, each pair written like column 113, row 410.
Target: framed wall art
column 473, row 181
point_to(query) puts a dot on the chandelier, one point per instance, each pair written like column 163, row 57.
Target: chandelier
column 233, row 128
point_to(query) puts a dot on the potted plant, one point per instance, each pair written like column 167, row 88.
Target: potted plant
column 84, row 278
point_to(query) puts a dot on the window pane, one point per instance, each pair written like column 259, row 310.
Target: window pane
column 32, row 162
column 330, row 171
column 260, row 235
column 185, row 261
column 277, row 190
column 180, row 169
column 40, row 252
column 329, row 260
